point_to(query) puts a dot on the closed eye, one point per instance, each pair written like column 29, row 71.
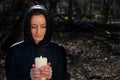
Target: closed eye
column 43, row 26
column 33, row 26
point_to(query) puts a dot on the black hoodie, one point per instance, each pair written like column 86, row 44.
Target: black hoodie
column 21, row 55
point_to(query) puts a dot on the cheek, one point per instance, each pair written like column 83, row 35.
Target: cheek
column 43, row 32
column 33, row 31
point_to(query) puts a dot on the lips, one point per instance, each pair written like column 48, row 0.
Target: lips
column 38, row 36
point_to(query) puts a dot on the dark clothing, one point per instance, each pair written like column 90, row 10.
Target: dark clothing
column 20, row 58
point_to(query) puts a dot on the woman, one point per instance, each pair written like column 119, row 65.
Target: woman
column 20, row 56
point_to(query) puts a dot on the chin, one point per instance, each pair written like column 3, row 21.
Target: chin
column 38, row 40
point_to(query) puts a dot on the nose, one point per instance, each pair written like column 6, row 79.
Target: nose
column 38, row 30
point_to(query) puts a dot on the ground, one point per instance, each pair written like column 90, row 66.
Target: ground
column 89, row 57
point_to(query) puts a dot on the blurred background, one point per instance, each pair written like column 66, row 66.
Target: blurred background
column 89, row 30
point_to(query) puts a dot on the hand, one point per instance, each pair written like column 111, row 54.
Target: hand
column 47, row 71
column 39, row 73
column 35, row 73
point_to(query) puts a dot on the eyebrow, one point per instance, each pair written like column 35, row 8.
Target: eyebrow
column 36, row 25
column 33, row 25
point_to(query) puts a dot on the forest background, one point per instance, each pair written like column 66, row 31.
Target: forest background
column 88, row 29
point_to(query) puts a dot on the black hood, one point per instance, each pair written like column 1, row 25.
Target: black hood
column 27, row 33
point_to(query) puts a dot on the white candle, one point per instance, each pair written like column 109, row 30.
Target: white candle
column 39, row 62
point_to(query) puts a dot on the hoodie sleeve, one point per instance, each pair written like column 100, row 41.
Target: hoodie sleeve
column 60, row 71
column 8, row 66
column 12, row 70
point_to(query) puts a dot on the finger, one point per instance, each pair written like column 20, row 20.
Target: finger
column 46, row 69
column 49, row 64
column 35, row 75
column 47, row 73
column 35, row 72
column 33, row 65
column 36, row 78
column 48, row 76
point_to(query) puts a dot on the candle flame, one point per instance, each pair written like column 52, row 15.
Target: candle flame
column 40, row 57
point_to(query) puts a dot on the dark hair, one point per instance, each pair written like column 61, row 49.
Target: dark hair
column 37, row 10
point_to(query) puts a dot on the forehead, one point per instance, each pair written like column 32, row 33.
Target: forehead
column 38, row 18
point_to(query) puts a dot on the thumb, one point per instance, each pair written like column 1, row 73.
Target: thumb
column 33, row 65
column 49, row 64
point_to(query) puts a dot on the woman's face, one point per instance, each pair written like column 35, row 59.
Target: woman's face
column 38, row 27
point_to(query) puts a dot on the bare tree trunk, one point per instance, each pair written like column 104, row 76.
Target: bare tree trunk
column 70, row 10
column 90, row 10
column 106, row 7
column 14, row 29
column 53, row 4
column 70, row 14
